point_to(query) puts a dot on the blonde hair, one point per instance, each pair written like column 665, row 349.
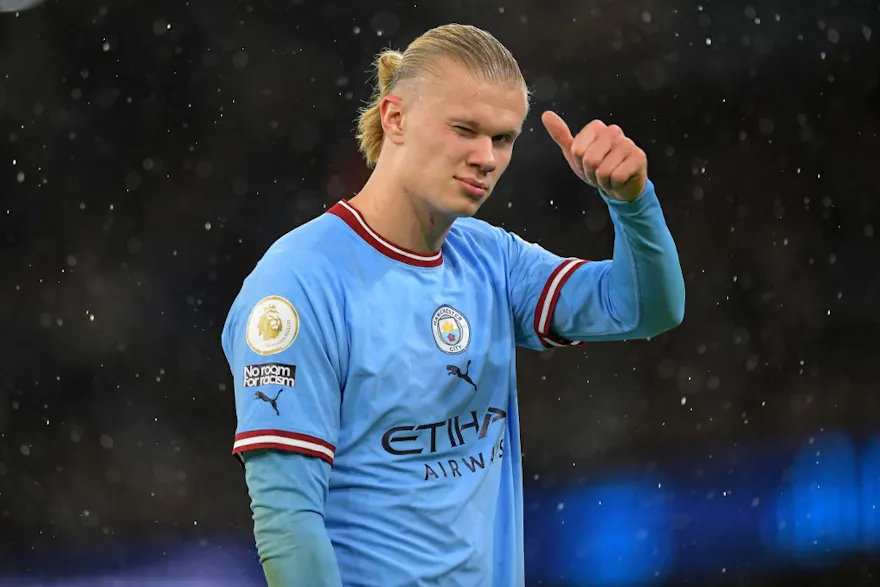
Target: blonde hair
column 477, row 51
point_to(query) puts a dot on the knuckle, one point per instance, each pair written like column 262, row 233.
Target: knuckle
column 592, row 161
column 620, row 143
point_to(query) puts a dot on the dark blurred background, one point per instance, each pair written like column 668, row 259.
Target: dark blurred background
column 151, row 152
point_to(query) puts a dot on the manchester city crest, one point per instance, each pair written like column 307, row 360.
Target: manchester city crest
column 452, row 333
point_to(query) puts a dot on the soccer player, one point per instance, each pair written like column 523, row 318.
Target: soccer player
column 373, row 347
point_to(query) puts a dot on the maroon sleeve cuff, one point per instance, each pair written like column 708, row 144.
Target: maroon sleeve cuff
column 283, row 440
column 547, row 304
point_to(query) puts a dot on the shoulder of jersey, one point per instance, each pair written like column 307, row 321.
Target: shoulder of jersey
column 320, row 238
column 475, row 231
column 475, row 226
column 311, row 252
column 314, row 250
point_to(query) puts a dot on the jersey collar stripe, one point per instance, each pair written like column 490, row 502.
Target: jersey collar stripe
column 355, row 220
column 547, row 303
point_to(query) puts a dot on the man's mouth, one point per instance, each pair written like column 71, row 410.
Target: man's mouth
column 473, row 187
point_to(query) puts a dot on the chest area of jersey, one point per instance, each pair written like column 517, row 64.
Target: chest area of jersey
column 429, row 344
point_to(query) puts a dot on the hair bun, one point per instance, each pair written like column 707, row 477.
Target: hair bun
column 387, row 66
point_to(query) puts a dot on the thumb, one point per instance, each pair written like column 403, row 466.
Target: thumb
column 558, row 130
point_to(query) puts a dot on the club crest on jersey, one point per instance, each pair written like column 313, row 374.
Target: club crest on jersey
column 452, row 333
column 272, row 325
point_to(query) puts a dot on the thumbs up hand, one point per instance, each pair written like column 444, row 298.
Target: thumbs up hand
column 602, row 156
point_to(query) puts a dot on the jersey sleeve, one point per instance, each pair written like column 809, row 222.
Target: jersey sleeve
column 535, row 282
column 282, row 340
column 639, row 293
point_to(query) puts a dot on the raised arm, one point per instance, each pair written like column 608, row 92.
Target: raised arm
column 638, row 293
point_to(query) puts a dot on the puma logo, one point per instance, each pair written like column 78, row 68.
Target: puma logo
column 272, row 401
column 453, row 370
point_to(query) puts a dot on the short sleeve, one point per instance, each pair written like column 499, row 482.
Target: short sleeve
column 282, row 343
column 535, row 281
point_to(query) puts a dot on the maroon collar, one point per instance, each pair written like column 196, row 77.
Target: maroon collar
column 356, row 221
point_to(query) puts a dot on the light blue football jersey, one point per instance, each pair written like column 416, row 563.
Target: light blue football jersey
column 398, row 369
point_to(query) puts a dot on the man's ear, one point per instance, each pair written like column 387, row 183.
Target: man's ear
column 391, row 113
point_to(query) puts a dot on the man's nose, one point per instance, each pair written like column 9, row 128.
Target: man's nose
column 483, row 155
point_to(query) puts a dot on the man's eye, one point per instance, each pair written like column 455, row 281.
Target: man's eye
column 464, row 130
column 503, row 138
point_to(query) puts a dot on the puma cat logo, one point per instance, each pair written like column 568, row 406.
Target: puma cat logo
column 272, row 401
column 453, row 370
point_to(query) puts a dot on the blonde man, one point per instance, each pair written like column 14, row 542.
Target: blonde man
column 392, row 320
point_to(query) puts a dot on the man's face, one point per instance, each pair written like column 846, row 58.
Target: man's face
column 457, row 139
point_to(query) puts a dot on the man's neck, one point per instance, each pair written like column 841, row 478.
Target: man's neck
column 399, row 217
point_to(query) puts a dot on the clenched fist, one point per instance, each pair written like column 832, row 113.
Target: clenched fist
column 602, row 156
